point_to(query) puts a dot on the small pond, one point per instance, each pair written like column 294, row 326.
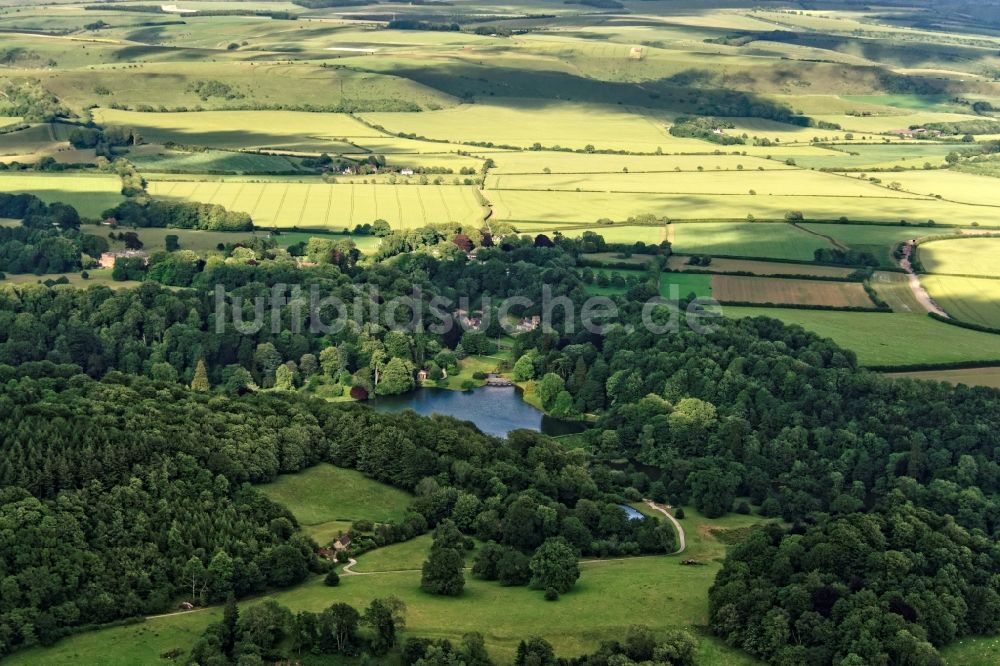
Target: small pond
column 632, row 513
column 496, row 410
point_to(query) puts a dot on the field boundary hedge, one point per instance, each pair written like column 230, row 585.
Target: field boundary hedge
column 964, row 324
column 918, row 367
column 803, row 306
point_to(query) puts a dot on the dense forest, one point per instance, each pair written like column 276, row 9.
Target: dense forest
column 882, row 493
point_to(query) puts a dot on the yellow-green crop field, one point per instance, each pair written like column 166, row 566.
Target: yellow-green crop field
column 565, row 125
column 707, row 182
column 336, row 206
column 983, row 191
column 288, row 130
column 963, row 256
column 536, row 162
column 975, row 300
column 89, row 193
column 887, row 339
column 789, row 291
column 586, row 207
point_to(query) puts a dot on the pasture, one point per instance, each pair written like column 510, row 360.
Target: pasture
column 962, row 256
column 970, row 299
column 89, row 193
column 292, row 203
column 609, row 596
column 789, row 291
column 888, row 339
column 325, row 493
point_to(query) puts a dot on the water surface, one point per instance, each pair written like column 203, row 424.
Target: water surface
column 496, row 410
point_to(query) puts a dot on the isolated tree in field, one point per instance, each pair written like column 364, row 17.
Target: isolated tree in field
column 554, row 565
column 200, row 381
column 172, row 242
column 443, row 571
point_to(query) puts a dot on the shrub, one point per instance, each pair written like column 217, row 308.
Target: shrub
column 332, row 579
column 551, row 594
column 679, row 513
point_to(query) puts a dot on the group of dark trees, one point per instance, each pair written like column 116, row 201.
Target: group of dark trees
column 849, row 257
column 178, row 215
column 706, row 128
column 49, row 239
column 886, row 489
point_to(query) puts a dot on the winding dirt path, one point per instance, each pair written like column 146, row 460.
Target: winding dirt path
column 662, row 508
column 918, row 289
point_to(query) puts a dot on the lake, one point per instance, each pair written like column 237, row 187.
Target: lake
column 496, row 410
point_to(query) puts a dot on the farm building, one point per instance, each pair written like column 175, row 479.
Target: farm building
column 108, row 259
column 635, row 53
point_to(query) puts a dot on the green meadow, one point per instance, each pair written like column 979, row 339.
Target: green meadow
column 888, row 339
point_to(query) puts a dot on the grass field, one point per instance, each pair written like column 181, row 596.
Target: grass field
column 724, row 265
column 741, row 239
column 97, row 276
column 877, row 239
column 321, row 205
column 789, row 291
column 699, row 285
column 90, row 194
column 326, row 493
column 965, row 256
column 894, row 288
column 969, row 376
column 610, row 595
column 975, row 651
column 888, row 339
column 975, row 300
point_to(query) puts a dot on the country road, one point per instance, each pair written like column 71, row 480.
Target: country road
column 918, row 289
column 680, row 530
